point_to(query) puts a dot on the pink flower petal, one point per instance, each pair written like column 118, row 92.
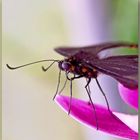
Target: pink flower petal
column 129, row 96
column 129, row 120
column 83, row 112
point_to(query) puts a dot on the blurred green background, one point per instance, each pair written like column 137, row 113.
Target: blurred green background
column 31, row 30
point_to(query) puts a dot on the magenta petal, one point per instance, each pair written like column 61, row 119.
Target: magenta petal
column 129, row 96
column 83, row 112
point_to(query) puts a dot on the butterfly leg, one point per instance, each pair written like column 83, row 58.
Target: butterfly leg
column 71, row 79
column 59, row 76
column 63, row 86
column 105, row 99
column 67, row 78
column 92, row 104
column 88, row 87
column 70, row 96
column 103, row 94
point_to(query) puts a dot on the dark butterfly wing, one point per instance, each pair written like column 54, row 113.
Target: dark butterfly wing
column 93, row 49
column 123, row 68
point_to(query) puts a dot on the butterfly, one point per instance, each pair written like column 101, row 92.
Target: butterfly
column 88, row 63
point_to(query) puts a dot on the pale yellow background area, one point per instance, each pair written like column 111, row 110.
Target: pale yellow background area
column 31, row 29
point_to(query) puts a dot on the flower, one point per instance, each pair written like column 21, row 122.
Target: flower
column 119, row 124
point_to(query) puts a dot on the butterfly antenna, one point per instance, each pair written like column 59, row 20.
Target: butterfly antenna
column 13, row 68
column 45, row 69
column 58, row 83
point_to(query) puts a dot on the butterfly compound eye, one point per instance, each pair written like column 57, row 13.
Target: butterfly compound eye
column 64, row 65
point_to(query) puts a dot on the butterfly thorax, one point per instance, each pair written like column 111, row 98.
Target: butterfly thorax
column 78, row 68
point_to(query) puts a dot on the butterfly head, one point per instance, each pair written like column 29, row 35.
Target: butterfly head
column 65, row 65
